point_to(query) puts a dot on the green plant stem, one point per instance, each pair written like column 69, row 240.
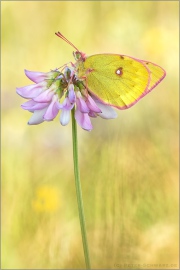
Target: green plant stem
column 79, row 192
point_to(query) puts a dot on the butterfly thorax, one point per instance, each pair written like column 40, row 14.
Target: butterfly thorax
column 80, row 71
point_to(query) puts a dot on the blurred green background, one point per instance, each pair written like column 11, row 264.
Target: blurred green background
column 129, row 166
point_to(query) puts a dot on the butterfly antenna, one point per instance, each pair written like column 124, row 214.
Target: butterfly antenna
column 66, row 40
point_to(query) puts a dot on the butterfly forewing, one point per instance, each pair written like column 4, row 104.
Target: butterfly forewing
column 115, row 79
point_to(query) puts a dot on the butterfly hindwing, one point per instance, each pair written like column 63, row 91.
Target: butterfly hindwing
column 156, row 74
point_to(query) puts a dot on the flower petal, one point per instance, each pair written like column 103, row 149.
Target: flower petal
column 82, row 106
column 65, row 117
column 66, row 105
column 30, row 91
column 83, row 120
column 52, row 110
column 92, row 105
column 107, row 112
column 31, row 105
column 37, row 117
column 40, row 76
column 45, row 96
column 35, row 76
column 92, row 114
column 71, row 94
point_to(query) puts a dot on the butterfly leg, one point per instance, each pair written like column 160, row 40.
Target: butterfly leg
column 85, row 92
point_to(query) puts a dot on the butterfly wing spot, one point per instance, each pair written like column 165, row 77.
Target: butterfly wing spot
column 119, row 71
column 90, row 69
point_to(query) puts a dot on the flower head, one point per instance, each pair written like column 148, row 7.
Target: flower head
column 56, row 91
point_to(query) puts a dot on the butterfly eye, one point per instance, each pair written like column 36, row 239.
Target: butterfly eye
column 77, row 55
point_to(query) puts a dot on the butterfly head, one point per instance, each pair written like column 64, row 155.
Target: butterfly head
column 79, row 56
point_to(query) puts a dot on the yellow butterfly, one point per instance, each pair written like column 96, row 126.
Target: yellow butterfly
column 117, row 80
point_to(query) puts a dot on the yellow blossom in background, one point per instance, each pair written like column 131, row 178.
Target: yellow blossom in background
column 46, row 199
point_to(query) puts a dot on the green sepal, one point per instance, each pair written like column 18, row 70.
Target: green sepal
column 80, row 85
column 55, row 73
column 49, row 82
